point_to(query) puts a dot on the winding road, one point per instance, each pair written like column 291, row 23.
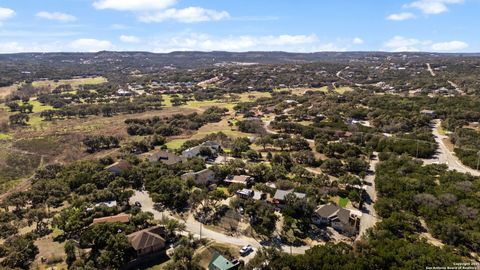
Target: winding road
column 445, row 156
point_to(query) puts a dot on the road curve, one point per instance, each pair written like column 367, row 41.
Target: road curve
column 445, row 156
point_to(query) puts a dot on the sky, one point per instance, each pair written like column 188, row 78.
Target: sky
column 239, row 25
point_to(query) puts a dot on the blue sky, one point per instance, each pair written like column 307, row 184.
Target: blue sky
column 239, row 25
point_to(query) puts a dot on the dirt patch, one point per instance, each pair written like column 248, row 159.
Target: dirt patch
column 53, row 252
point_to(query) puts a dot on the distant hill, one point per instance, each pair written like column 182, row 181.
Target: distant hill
column 32, row 66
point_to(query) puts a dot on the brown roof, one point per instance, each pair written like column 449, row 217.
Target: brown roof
column 146, row 238
column 123, row 218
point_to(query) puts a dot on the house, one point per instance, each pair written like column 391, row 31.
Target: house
column 203, row 177
column 218, row 262
column 122, row 218
column 251, row 194
column 191, row 152
column 291, row 101
column 195, row 151
column 279, row 197
column 123, row 93
column 428, row 112
column 119, row 167
column 165, row 157
column 245, row 193
column 239, row 179
column 346, row 221
column 148, row 241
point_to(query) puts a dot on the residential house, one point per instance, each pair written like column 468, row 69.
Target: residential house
column 346, row 221
column 239, row 179
column 218, row 262
column 165, row 157
column 122, row 218
column 123, row 93
column 148, row 241
column 203, row 177
column 195, row 151
column 251, row 194
column 428, row 112
column 279, row 197
column 245, row 193
column 119, row 167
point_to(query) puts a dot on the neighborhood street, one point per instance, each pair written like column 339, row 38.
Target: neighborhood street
column 369, row 217
column 196, row 228
column 445, row 156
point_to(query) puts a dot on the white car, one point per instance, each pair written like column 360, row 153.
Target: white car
column 246, row 250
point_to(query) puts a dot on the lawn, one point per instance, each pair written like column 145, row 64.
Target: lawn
column 342, row 202
column 343, row 89
column 252, row 96
column 176, row 144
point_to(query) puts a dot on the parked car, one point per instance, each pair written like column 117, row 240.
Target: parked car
column 246, row 250
column 138, row 204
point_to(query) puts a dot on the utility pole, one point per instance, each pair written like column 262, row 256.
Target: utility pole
column 200, row 230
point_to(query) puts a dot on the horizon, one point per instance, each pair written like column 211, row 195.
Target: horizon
column 163, row 26
column 242, row 52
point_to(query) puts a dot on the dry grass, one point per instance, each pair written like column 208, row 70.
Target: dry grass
column 73, row 82
column 7, row 90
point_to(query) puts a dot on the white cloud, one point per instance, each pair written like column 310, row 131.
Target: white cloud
column 56, row 16
column 90, row 45
column 433, row 6
column 401, row 16
column 203, row 42
column 450, row 46
column 357, row 41
column 403, row 44
column 6, row 13
column 134, row 5
column 10, row 47
column 185, row 15
column 129, row 39
column 16, row 47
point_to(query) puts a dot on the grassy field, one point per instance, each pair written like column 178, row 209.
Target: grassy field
column 5, row 136
column 324, row 89
column 7, row 90
column 73, row 82
column 176, row 144
column 167, row 100
column 210, row 128
column 343, row 89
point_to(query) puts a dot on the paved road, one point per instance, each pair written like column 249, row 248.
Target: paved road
column 429, row 67
column 445, row 156
column 194, row 227
column 369, row 217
